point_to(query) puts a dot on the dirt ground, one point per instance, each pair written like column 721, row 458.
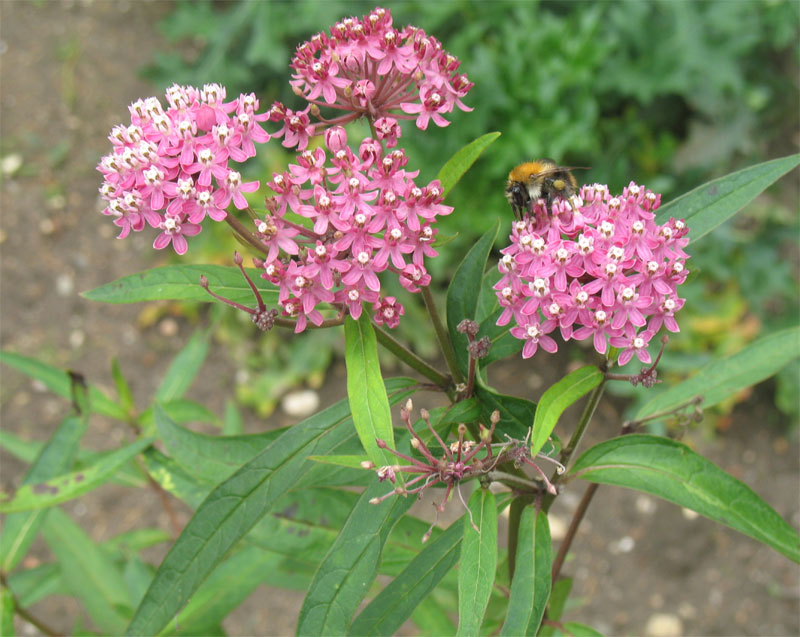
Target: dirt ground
column 68, row 72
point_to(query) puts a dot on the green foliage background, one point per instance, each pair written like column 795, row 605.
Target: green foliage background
column 667, row 94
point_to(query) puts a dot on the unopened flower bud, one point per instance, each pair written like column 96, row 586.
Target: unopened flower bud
column 495, row 417
column 424, row 414
column 479, row 349
column 237, row 258
column 381, row 443
column 468, row 327
column 367, row 464
column 415, row 443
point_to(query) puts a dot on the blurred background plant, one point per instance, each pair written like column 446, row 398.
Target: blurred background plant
column 704, row 89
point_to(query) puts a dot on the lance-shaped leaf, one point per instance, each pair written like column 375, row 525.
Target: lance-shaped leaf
column 478, row 562
column 182, row 283
column 233, row 508
column 672, row 471
column 461, row 162
column 557, row 398
column 69, row 486
column 727, row 376
column 516, row 414
column 58, row 382
column 88, row 572
column 464, row 290
column 213, row 458
column 183, row 368
column 711, row 204
column 366, row 391
column 225, row 589
column 395, row 603
column 55, row 458
column 345, row 575
column 530, row 588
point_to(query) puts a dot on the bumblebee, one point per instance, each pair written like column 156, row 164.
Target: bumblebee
column 538, row 179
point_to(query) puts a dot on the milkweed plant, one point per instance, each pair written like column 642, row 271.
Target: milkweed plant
column 324, row 505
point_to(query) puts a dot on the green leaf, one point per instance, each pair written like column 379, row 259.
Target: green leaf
column 88, row 573
column 464, row 290
column 58, row 382
column 54, row 458
column 432, row 618
column 184, row 368
column 576, row 629
column 227, row 587
column 34, row 584
column 460, row 163
column 233, row 423
column 345, row 575
column 69, row 486
column 365, row 390
column 353, row 462
column 181, row 411
column 213, row 458
column 558, row 598
column 478, row 562
column 6, row 612
column 727, row 376
column 516, row 414
column 137, row 576
column 395, row 603
column 530, row 588
column 124, row 393
column 711, row 204
column 182, row 283
column 557, row 398
column 234, row 507
column 672, row 471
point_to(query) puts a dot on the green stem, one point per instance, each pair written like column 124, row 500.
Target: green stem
column 441, row 334
column 410, row 358
column 573, row 529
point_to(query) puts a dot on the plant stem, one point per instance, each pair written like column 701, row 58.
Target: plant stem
column 441, row 334
column 244, row 233
column 573, row 529
column 410, row 358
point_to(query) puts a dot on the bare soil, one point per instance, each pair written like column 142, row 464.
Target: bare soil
column 68, row 72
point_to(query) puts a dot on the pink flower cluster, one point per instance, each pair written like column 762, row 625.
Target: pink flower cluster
column 596, row 266
column 366, row 215
column 367, row 67
column 169, row 168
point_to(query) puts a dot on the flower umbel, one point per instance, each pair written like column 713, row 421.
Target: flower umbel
column 595, row 266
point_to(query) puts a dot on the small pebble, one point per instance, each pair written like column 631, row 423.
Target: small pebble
column 300, row 403
column 558, row 528
column 664, row 625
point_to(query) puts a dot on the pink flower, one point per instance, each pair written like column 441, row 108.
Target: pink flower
column 178, row 159
column 388, row 312
column 175, row 232
column 596, row 266
column 367, row 67
column 535, row 335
